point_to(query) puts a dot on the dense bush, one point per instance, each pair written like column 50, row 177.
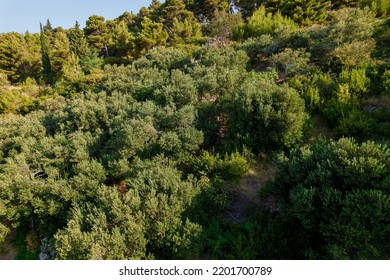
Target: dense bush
column 229, row 167
column 263, row 115
column 355, row 124
column 338, row 193
column 262, row 22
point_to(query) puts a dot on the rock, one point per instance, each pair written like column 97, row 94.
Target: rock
column 47, row 251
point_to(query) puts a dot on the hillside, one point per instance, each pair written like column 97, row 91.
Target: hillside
column 199, row 130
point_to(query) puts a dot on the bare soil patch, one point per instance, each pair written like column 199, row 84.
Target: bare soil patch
column 8, row 250
column 244, row 193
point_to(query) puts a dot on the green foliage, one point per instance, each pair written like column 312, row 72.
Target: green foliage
column 307, row 12
column 362, row 227
column 261, row 23
column 291, row 61
column 60, row 55
column 355, row 124
column 386, row 82
column 346, row 40
column 151, row 35
column 21, row 99
column 3, row 232
column 354, row 54
column 258, row 47
column 78, row 41
column 357, row 82
column 163, row 198
column 63, row 161
column 328, row 188
column 347, row 118
column 310, row 90
column 46, row 64
column 164, row 59
column 11, row 47
column 120, row 45
column 96, row 31
column 223, row 24
column 247, row 7
column 91, row 61
column 335, row 110
column 263, row 115
column 214, row 193
column 20, row 242
column 3, row 79
column 205, row 9
column 19, row 56
column 272, row 231
column 108, row 230
column 232, row 241
column 381, row 8
column 230, row 167
column 181, row 23
column 139, row 159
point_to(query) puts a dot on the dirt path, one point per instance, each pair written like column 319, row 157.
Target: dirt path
column 8, row 250
column 244, row 194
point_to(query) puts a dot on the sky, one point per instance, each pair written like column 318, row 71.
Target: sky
column 25, row 15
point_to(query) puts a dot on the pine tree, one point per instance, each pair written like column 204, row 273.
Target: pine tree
column 151, row 35
column 223, row 24
column 155, row 10
column 11, row 51
column 262, row 22
column 78, row 41
column 126, row 17
column 205, row 9
column 47, row 26
column 59, row 52
column 120, row 43
column 181, row 23
column 306, row 12
column 248, row 7
column 46, row 64
column 91, row 61
column 96, row 31
column 31, row 60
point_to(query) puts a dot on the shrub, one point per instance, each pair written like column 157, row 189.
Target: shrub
column 355, row 124
column 230, row 167
column 261, row 23
column 357, row 82
column 257, row 47
column 337, row 193
column 263, row 115
column 354, row 54
column 335, row 110
column 291, row 61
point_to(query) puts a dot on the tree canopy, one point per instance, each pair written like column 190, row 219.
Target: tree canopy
column 199, row 129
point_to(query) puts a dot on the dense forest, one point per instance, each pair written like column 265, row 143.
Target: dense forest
column 199, row 129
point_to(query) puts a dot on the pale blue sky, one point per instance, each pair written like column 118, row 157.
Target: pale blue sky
column 23, row 15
